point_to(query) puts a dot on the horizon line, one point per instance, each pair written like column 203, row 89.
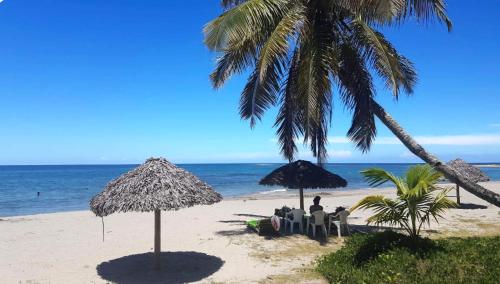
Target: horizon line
column 225, row 163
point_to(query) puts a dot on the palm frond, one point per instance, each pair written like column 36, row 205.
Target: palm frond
column 435, row 208
column 422, row 178
column 379, row 11
column 321, row 112
column 356, row 91
column 426, row 10
column 387, row 211
column 377, row 176
column 319, row 139
column 315, row 84
column 235, row 59
column 397, row 71
column 373, row 202
column 239, row 42
column 396, row 11
column 277, row 44
column 440, row 204
column 417, row 200
column 288, row 121
column 248, row 17
column 258, row 96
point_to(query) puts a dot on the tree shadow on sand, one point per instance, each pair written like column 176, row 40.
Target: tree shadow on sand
column 370, row 229
column 471, row 206
column 233, row 222
column 251, row 215
column 236, row 232
column 176, row 267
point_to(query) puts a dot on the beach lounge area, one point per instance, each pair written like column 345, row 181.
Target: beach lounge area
column 205, row 244
column 249, row 141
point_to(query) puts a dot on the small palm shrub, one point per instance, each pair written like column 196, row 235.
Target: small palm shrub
column 419, row 198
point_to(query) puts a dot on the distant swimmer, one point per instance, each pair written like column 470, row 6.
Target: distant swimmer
column 38, row 194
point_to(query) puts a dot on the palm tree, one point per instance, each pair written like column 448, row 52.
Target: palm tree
column 419, row 198
column 303, row 50
column 419, row 151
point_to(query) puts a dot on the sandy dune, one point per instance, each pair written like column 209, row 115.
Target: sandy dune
column 209, row 244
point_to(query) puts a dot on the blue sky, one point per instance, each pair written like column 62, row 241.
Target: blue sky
column 118, row 81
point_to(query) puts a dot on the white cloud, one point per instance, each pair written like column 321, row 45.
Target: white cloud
column 407, row 154
column 460, row 140
column 305, row 154
column 338, row 139
column 246, row 155
column 340, row 154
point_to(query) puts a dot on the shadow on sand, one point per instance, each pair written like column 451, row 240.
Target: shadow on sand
column 471, row 206
column 233, row 222
column 176, row 267
column 367, row 229
column 251, row 215
column 236, row 232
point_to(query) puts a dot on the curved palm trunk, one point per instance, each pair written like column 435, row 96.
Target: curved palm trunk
column 419, row 151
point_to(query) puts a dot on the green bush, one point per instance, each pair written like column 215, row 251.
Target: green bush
column 419, row 200
column 391, row 257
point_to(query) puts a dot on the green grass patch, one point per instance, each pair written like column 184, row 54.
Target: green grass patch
column 390, row 257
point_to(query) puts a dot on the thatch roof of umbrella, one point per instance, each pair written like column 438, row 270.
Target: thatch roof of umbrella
column 153, row 186
column 303, row 174
column 469, row 171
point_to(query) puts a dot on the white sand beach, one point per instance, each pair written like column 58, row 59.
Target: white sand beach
column 206, row 244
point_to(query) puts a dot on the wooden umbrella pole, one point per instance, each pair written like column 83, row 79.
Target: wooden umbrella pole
column 157, row 238
column 301, row 198
column 458, row 194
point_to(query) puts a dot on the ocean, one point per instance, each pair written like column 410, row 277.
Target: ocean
column 69, row 188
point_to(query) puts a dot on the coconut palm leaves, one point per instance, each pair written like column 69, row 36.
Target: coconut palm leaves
column 419, row 200
column 302, row 51
column 396, row 70
column 390, row 11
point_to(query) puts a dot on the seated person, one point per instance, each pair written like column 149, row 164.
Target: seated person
column 337, row 210
column 315, row 207
column 341, row 215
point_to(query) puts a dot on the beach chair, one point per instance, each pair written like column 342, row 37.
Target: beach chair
column 341, row 223
column 319, row 221
column 297, row 216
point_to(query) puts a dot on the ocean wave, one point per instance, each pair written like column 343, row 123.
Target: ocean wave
column 273, row 191
column 487, row 165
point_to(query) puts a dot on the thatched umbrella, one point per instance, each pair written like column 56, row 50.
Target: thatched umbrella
column 303, row 174
column 153, row 186
column 468, row 171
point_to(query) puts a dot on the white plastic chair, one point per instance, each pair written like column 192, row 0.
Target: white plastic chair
column 342, row 223
column 319, row 220
column 298, row 215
